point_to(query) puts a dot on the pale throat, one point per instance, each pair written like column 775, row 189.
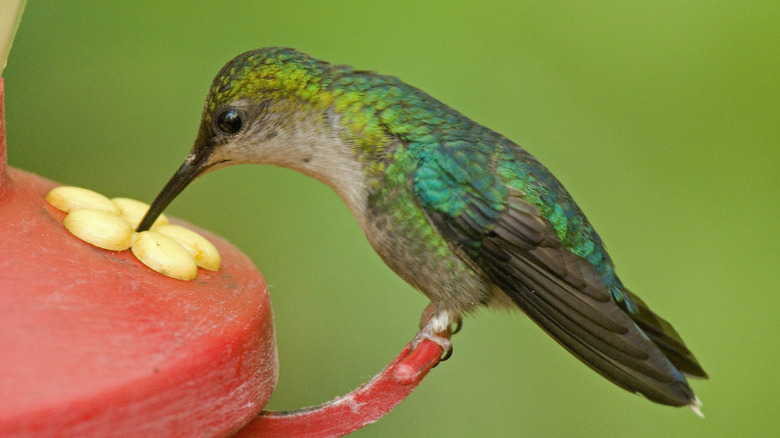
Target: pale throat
column 322, row 153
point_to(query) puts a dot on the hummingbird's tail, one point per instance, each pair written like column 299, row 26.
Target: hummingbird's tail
column 661, row 332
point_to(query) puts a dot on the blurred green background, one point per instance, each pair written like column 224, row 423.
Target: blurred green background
column 662, row 119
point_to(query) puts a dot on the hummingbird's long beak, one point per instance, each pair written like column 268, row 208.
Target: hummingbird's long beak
column 188, row 172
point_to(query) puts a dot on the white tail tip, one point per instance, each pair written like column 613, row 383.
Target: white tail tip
column 696, row 407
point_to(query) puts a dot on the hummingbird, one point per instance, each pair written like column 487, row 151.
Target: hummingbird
column 459, row 211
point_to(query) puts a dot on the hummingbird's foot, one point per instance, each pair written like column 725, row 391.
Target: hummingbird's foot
column 443, row 341
column 435, row 325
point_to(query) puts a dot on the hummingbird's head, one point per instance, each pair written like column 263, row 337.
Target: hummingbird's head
column 258, row 97
column 264, row 106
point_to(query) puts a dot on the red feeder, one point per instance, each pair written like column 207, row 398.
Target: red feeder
column 93, row 343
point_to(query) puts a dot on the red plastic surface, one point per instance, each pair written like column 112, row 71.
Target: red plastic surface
column 93, row 343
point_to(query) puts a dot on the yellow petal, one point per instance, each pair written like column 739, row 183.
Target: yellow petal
column 67, row 198
column 204, row 252
column 100, row 228
column 164, row 255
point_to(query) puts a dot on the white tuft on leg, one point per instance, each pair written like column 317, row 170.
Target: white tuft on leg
column 435, row 321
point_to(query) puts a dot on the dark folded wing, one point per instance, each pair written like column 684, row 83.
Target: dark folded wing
column 519, row 251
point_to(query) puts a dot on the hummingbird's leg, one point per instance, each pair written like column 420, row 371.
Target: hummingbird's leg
column 435, row 325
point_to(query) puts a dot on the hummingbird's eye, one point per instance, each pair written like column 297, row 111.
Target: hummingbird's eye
column 230, row 121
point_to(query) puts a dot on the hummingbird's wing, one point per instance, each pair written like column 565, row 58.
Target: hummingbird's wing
column 519, row 250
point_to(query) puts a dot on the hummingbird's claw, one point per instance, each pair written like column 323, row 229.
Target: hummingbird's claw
column 458, row 325
column 446, row 356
